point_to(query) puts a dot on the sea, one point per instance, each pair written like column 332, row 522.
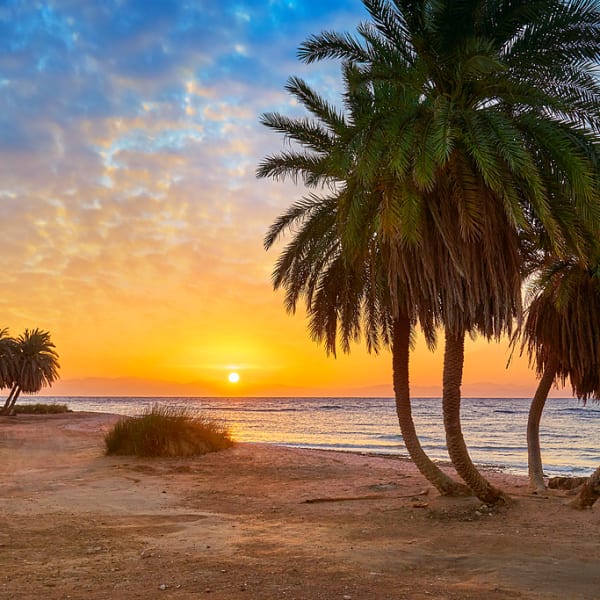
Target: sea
column 494, row 428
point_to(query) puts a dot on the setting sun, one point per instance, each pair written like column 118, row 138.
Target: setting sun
column 233, row 377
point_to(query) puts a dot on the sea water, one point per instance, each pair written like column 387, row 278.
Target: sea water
column 494, row 428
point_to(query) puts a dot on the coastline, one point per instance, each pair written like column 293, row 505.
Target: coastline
column 263, row 521
column 495, row 431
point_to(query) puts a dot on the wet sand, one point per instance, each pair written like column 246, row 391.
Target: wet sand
column 265, row 523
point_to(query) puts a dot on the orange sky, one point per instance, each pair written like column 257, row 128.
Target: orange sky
column 132, row 218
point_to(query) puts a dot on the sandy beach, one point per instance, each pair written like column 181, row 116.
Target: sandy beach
column 263, row 522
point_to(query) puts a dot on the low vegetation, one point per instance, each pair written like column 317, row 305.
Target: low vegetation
column 40, row 409
column 168, row 432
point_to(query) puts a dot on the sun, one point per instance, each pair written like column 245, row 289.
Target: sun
column 233, row 377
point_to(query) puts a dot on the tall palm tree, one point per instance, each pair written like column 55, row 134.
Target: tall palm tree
column 346, row 294
column 562, row 336
column 36, row 366
column 491, row 129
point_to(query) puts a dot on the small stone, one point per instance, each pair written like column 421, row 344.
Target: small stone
column 163, row 586
column 346, row 597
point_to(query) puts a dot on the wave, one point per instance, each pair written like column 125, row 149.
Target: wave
column 393, row 437
column 234, row 409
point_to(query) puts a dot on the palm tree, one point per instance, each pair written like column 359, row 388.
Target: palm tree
column 562, row 336
column 491, row 130
column 345, row 295
column 8, row 351
column 36, row 366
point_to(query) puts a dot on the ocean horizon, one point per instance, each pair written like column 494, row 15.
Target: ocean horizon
column 494, row 428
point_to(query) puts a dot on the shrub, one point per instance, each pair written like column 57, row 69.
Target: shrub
column 166, row 431
column 40, row 409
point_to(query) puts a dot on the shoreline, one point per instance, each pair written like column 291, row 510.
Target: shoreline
column 494, row 431
column 263, row 522
column 446, row 464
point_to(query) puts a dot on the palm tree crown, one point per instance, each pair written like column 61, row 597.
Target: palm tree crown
column 480, row 126
column 8, row 353
column 37, row 361
column 563, row 320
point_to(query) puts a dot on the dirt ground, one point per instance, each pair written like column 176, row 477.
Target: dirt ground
column 258, row 522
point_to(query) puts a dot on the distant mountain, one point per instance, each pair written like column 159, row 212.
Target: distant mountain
column 131, row 386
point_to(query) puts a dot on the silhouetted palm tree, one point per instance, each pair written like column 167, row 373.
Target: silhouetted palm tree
column 36, row 365
column 8, row 351
column 562, row 336
column 490, row 129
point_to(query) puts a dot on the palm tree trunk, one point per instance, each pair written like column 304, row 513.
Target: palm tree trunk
column 400, row 358
column 6, row 408
column 590, row 492
column 457, row 449
column 534, row 454
column 17, row 393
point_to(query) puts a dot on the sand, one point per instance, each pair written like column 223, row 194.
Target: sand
column 262, row 522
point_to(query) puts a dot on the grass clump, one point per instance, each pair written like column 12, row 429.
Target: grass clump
column 168, row 432
column 40, row 409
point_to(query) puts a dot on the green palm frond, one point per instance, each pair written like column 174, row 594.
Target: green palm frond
column 319, row 107
column 302, row 131
column 331, row 45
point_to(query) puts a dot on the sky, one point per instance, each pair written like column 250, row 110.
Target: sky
column 132, row 218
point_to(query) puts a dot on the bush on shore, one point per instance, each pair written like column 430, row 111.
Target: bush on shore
column 167, row 432
column 40, row 409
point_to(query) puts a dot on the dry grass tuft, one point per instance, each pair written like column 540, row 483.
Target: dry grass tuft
column 168, row 432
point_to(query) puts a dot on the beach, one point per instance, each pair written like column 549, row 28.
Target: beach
column 264, row 522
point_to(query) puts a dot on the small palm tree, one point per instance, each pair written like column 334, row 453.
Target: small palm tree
column 8, row 352
column 562, row 336
column 36, row 365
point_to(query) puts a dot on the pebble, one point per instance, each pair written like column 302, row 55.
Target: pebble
column 163, row 586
